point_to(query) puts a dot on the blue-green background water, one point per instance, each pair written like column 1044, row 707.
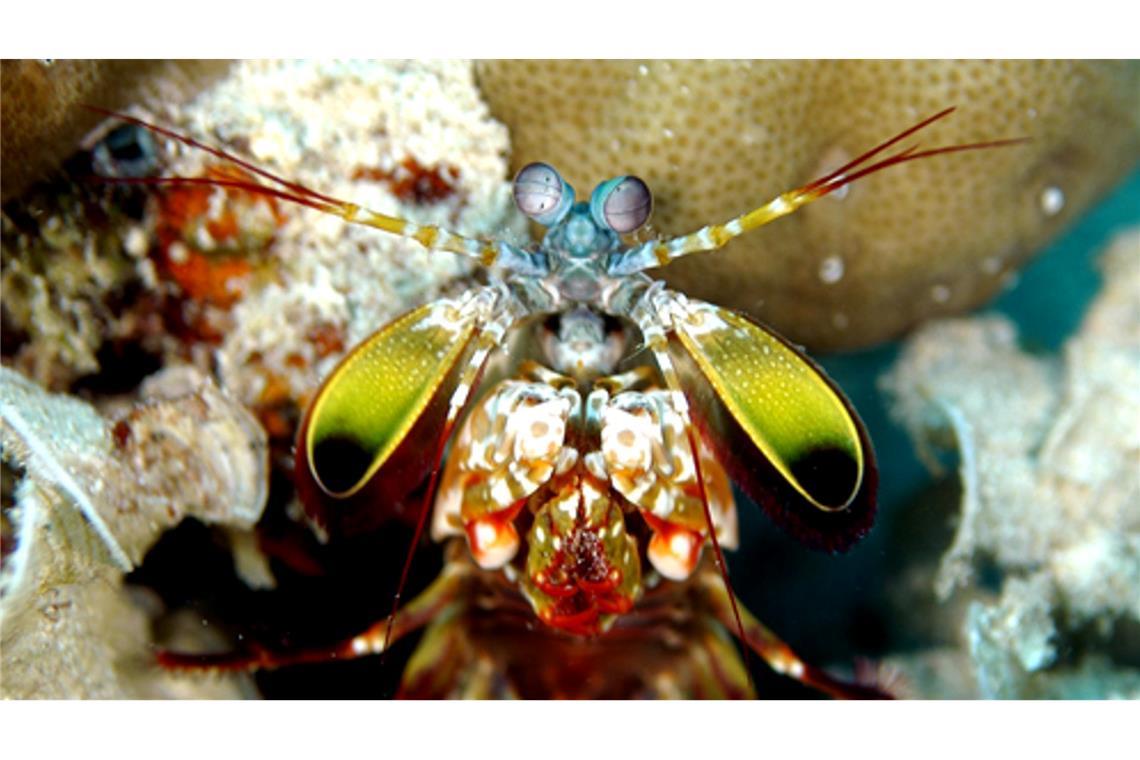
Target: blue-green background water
column 1047, row 304
column 825, row 604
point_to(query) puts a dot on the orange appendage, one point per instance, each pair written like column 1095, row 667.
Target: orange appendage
column 582, row 567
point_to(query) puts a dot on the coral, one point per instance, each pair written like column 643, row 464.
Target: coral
column 279, row 302
column 1049, row 452
column 91, row 495
column 68, row 258
column 351, row 131
column 42, row 123
column 714, row 139
column 405, row 138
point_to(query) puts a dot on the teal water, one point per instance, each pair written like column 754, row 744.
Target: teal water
column 1047, row 304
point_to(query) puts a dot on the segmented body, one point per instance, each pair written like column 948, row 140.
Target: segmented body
column 579, row 495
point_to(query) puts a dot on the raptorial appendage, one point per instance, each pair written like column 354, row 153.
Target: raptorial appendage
column 579, row 495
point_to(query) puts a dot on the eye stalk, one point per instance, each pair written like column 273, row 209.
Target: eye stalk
column 542, row 194
column 621, row 204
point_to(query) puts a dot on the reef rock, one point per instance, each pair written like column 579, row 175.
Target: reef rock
column 88, row 490
column 1049, row 452
column 85, row 496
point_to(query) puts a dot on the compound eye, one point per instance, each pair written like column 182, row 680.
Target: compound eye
column 542, row 194
column 622, row 204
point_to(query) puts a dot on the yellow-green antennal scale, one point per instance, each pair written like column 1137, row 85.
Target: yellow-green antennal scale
column 378, row 427
column 369, row 403
column 795, row 418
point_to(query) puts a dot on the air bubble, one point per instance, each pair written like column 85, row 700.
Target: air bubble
column 940, row 293
column 840, row 320
column 1052, row 200
column 991, row 265
column 831, row 270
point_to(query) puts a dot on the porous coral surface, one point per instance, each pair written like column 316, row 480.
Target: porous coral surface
column 714, row 139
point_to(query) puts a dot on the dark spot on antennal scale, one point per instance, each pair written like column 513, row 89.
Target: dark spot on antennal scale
column 829, row 474
column 339, row 462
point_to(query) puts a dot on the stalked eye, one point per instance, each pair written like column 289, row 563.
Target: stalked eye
column 621, row 204
column 542, row 194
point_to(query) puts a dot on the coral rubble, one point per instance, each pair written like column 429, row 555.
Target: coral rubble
column 347, row 130
column 1049, row 452
column 91, row 495
column 239, row 306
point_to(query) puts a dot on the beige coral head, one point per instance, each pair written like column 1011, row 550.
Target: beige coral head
column 716, row 138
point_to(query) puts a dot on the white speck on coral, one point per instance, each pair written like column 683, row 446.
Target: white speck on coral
column 178, row 253
column 831, row 270
column 1052, row 200
column 136, row 242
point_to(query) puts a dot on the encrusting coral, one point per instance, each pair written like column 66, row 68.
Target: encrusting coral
column 1049, row 452
column 92, row 493
column 280, row 299
column 716, row 138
